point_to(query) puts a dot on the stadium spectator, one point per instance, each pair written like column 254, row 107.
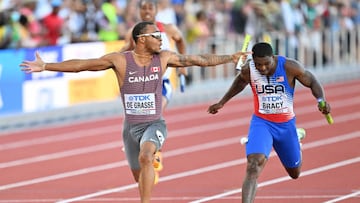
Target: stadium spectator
column 108, row 23
column 5, row 30
column 53, row 23
column 32, row 24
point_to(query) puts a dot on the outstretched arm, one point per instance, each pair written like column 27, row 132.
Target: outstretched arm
column 238, row 85
column 74, row 65
column 178, row 60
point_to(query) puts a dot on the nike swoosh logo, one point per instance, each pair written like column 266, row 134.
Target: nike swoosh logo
column 132, row 73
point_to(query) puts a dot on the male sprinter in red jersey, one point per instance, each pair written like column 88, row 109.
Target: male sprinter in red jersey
column 169, row 32
column 272, row 79
column 139, row 74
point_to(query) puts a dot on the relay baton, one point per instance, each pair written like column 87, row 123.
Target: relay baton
column 247, row 40
column 327, row 116
column 182, row 83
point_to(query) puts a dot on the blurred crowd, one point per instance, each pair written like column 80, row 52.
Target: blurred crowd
column 31, row 23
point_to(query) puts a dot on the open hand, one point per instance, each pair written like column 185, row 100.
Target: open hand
column 37, row 65
column 240, row 55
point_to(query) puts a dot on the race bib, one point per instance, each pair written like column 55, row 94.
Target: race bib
column 140, row 104
column 273, row 104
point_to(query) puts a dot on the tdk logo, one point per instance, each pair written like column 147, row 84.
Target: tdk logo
column 271, row 98
column 269, row 89
column 140, row 98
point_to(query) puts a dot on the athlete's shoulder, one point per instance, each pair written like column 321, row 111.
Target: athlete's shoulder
column 291, row 63
column 115, row 56
column 293, row 68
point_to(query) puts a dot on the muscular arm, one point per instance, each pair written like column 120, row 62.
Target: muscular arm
column 306, row 78
column 178, row 60
column 238, row 85
column 73, row 65
column 310, row 81
column 78, row 65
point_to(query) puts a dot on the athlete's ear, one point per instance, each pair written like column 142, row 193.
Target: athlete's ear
column 141, row 39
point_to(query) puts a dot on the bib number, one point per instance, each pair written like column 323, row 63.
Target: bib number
column 140, row 104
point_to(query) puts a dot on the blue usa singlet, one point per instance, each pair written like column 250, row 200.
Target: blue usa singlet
column 273, row 96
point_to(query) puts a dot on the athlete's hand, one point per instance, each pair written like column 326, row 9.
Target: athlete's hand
column 183, row 71
column 213, row 109
column 240, row 55
column 325, row 109
column 37, row 65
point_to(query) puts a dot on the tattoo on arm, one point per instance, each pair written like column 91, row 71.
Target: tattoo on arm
column 201, row 60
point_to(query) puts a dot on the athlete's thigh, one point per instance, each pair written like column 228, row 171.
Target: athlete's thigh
column 286, row 144
column 156, row 132
column 259, row 137
column 132, row 144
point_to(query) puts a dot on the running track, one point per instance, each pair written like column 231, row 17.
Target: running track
column 204, row 161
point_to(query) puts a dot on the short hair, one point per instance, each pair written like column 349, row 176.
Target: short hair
column 155, row 2
column 262, row 49
column 139, row 29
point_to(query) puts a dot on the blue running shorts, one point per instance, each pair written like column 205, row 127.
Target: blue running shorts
column 265, row 135
column 167, row 89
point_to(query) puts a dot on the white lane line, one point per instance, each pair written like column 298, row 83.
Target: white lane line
column 61, row 137
column 175, row 133
column 63, row 154
column 63, row 175
column 171, row 198
column 206, row 146
column 26, row 200
column 166, row 154
column 282, row 179
column 211, row 168
column 348, row 196
column 170, row 119
column 301, row 111
column 193, row 130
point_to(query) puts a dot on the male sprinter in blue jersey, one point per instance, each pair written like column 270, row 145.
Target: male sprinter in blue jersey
column 272, row 79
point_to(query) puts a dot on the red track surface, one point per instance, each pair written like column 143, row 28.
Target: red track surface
column 204, row 161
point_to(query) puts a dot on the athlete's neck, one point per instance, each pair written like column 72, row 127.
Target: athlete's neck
column 142, row 55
